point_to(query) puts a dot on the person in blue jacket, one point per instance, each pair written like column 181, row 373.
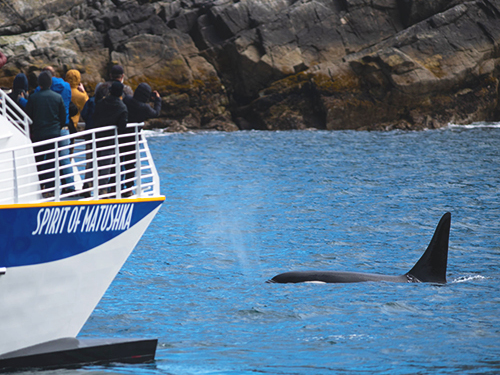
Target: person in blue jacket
column 63, row 88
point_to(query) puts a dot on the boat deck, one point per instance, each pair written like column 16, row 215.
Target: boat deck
column 89, row 165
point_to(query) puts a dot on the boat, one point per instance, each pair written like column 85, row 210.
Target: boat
column 61, row 249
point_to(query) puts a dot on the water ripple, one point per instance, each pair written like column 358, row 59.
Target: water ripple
column 242, row 207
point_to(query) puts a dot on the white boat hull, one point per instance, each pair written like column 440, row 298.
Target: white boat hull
column 49, row 300
column 64, row 235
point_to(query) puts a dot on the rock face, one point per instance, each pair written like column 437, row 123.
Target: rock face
column 274, row 64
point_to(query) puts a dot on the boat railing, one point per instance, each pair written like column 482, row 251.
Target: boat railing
column 102, row 163
column 14, row 114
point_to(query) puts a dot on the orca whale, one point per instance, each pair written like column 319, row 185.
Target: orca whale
column 431, row 267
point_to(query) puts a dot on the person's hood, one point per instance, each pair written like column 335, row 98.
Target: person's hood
column 73, row 77
column 20, row 82
column 142, row 93
column 116, row 89
column 58, row 84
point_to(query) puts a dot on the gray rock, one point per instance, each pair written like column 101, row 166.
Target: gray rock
column 274, row 64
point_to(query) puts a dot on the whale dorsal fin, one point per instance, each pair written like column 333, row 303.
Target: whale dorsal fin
column 431, row 267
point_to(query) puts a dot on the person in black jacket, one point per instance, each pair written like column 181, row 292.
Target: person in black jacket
column 109, row 111
column 87, row 114
column 138, row 106
column 19, row 93
column 46, row 109
column 139, row 110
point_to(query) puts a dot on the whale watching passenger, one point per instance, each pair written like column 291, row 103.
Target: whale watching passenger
column 117, row 75
column 139, row 110
column 78, row 94
column 109, row 111
column 87, row 114
column 63, row 88
column 19, row 93
column 46, row 109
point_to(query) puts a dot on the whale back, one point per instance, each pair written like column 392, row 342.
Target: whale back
column 333, row 277
column 431, row 267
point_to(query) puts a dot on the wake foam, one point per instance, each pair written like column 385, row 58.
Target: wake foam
column 476, row 125
column 464, row 279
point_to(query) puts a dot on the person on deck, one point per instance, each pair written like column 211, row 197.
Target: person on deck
column 117, row 75
column 78, row 94
column 139, row 110
column 19, row 93
column 46, row 109
column 87, row 114
column 63, row 88
column 109, row 111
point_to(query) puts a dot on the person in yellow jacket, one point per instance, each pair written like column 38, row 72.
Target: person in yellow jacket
column 78, row 94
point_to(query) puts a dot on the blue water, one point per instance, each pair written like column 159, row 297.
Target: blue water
column 242, row 207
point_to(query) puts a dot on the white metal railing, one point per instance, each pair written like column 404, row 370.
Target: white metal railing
column 102, row 163
column 14, row 114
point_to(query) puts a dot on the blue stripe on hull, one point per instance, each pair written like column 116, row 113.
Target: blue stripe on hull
column 34, row 234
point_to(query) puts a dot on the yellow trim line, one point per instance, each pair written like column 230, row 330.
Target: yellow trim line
column 81, row 202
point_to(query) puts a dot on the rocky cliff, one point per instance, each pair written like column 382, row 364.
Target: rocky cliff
column 274, row 64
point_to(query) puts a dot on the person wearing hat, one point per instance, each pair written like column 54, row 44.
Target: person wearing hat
column 117, row 74
column 109, row 111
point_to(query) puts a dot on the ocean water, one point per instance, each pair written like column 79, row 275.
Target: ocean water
column 242, row 207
